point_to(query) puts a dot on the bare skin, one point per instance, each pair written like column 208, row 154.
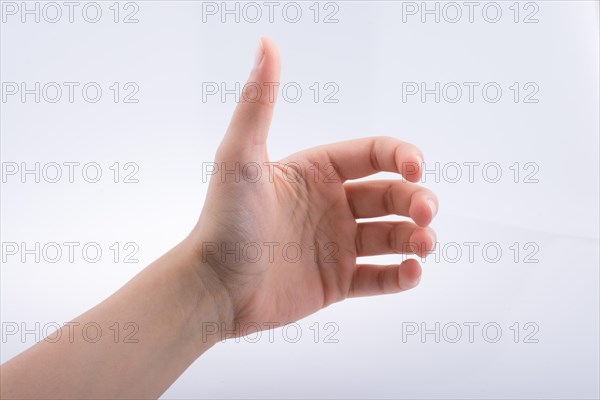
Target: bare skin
column 206, row 289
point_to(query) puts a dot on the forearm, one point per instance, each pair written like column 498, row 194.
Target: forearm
column 168, row 304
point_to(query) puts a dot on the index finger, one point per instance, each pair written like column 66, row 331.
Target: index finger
column 358, row 158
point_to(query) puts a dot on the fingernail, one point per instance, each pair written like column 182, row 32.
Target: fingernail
column 419, row 160
column 432, row 206
column 259, row 54
column 433, row 237
column 420, row 165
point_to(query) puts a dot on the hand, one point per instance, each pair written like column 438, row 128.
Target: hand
column 281, row 239
column 271, row 247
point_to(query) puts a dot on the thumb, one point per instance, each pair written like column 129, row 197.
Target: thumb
column 251, row 120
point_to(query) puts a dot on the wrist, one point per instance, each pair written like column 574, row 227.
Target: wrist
column 209, row 303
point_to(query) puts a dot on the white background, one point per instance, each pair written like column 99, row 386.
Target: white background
column 368, row 54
